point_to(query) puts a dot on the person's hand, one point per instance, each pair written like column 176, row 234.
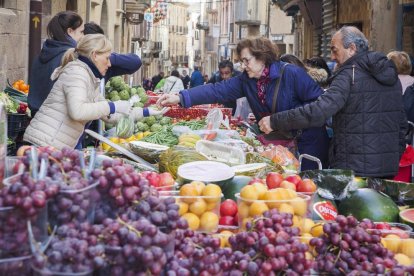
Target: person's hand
column 264, row 125
column 138, row 113
column 168, row 100
column 123, row 107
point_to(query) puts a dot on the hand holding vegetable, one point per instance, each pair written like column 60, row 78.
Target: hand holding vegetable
column 168, row 100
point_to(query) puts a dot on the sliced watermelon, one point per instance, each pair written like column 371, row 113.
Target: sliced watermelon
column 407, row 216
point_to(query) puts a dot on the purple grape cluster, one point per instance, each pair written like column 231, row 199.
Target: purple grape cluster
column 135, row 247
column 74, row 249
column 16, row 266
column 75, row 202
column 120, row 187
column 25, row 199
column 346, row 247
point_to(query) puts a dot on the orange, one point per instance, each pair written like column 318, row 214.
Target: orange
column 23, row 87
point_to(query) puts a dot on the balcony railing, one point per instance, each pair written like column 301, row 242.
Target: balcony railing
column 202, row 26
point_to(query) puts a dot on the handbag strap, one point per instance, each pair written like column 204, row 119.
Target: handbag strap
column 277, row 87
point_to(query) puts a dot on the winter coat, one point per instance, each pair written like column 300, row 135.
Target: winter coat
column 196, row 79
column 319, row 75
column 296, row 89
column 369, row 122
column 73, row 101
column 186, row 81
column 173, row 85
column 50, row 58
column 216, row 76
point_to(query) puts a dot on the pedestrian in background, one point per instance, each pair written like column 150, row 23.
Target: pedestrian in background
column 269, row 85
column 156, row 79
column 196, row 78
column 173, row 84
column 185, row 79
column 365, row 100
column 64, row 30
column 403, row 64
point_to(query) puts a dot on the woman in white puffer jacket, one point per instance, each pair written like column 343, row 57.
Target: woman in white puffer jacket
column 173, row 84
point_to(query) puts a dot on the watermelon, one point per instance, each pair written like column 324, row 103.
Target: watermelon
column 368, row 203
column 232, row 187
column 407, row 216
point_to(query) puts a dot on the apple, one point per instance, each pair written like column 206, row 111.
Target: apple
column 273, row 180
column 153, row 179
column 228, row 208
column 166, row 179
column 306, row 186
column 294, row 178
column 288, row 185
column 256, row 180
column 226, row 220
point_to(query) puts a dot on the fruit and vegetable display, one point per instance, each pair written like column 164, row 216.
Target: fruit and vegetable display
column 213, row 202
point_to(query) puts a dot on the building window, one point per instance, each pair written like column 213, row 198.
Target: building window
column 2, row 3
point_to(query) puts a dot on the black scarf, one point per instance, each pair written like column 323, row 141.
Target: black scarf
column 91, row 65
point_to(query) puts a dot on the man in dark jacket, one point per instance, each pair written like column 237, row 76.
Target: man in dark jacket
column 225, row 72
column 365, row 101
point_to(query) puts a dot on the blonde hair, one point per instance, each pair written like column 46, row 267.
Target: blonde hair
column 89, row 44
column 402, row 62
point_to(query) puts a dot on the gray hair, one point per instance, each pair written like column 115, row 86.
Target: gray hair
column 351, row 34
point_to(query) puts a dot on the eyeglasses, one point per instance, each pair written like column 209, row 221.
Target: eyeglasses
column 246, row 61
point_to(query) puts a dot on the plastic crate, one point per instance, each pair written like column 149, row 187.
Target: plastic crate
column 16, row 124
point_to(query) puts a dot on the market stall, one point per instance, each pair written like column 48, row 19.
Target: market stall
column 194, row 193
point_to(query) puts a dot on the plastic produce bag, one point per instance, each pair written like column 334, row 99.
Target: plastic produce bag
column 282, row 156
column 243, row 109
column 221, row 153
column 125, row 127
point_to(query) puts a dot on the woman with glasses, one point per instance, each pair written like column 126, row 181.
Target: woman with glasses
column 270, row 86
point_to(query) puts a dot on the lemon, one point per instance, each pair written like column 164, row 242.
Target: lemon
column 209, row 222
column 146, row 133
column 261, row 189
column 300, row 206
column 212, row 191
column 189, row 193
column 317, row 229
column 257, row 208
column 115, row 140
column 106, row 147
column 407, row 247
column 305, row 238
column 243, row 210
column 403, row 259
column 139, row 135
column 286, row 208
column 307, row 226
column 192, row 220
column 392, row 242
column 249, row 193
column 198, row 207
column 183, row 208
column 199, row 186
column 131, row 138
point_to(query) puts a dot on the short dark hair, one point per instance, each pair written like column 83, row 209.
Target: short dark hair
column 93, row 28
column 58, row 26
column 226, row 63
column 292, row 59
column 175, row 73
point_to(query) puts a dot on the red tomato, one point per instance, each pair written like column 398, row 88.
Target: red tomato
column 228, row 208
